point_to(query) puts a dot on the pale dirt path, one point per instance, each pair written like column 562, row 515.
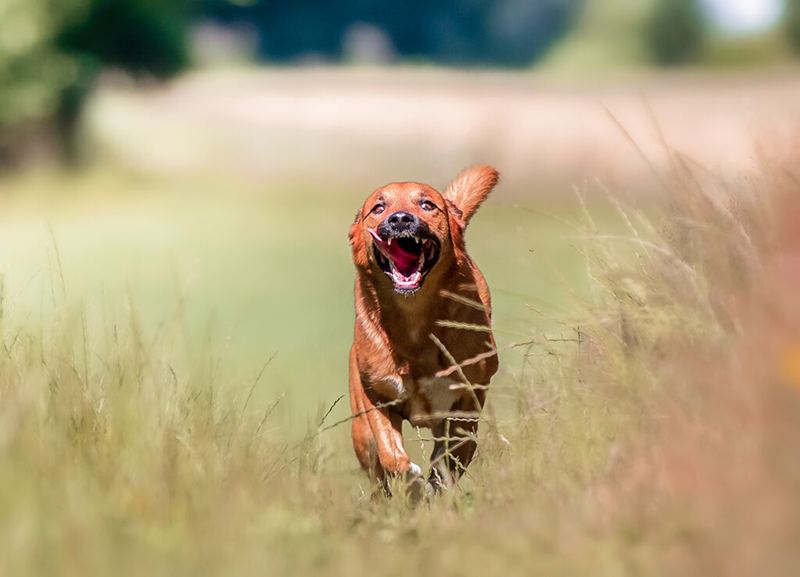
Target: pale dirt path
column 375, row 125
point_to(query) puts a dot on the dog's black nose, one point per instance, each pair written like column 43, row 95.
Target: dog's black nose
column 401, row 222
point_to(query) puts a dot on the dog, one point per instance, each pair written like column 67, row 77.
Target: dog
column 423, row 349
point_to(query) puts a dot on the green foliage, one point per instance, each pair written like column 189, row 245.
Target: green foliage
column 141, row 36
column 52, row 51
column 607, row 37
column 33, row 71
column 792, row 22
column 675, row 32
column 752, row 50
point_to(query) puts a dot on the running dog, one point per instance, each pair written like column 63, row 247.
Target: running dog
column 423, row 349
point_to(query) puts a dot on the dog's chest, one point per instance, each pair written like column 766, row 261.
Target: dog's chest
column 441, row 392
column 431, row 399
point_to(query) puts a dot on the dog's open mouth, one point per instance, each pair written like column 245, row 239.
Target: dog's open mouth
column 406, row 259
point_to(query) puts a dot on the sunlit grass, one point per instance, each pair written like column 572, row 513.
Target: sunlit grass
column 641, row 423
column 251, row 271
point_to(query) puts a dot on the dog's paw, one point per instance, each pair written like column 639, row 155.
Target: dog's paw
column 416, row 485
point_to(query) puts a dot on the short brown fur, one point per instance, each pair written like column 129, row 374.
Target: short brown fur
column 398, row 371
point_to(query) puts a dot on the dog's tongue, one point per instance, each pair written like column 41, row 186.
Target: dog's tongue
column 406, row 262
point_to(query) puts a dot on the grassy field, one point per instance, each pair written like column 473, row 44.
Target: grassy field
column 136, row 436
column 252, row 272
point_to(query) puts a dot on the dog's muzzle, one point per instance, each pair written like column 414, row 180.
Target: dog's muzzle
column 405, row 249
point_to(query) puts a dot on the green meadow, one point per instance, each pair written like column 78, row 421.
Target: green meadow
column 174, row 356
column 255, row 272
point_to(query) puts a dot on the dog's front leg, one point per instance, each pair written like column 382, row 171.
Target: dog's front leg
column 377, row 434
column 378, row 441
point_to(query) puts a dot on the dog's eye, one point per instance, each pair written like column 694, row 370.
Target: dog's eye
column 378, row 208
column 427, row 205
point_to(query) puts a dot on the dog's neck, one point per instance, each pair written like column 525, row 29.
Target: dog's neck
column 408, row 317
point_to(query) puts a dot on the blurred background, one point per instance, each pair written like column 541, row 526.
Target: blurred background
column 204, row 158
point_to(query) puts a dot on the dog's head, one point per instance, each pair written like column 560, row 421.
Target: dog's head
column 405, row 230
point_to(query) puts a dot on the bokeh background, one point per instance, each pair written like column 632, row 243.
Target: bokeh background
column 204, row 158
column 177, row 180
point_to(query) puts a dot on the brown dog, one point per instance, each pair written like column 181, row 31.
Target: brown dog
column 421, row 306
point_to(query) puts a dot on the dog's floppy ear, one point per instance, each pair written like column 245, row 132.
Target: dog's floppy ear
column 357, row 242
column 470, row 189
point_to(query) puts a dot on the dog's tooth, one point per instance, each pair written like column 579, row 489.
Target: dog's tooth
column 390, row 241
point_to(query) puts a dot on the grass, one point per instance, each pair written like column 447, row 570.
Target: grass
column 251, row 272
column 663, row 440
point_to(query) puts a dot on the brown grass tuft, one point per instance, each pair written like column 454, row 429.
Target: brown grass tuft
column 704, row 322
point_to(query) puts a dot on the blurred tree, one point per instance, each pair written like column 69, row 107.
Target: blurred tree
column 607, row 36
column 51, row 52
column 521, row 31
column 676, row 31
column 792, row 22
column 33, row 72
column 142, row 37
column 489, row 32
